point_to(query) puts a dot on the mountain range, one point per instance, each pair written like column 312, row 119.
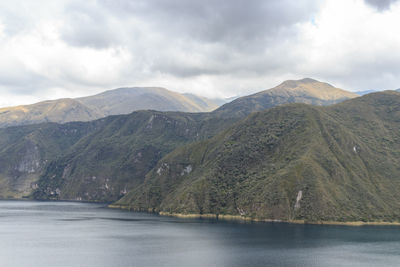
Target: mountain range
column 260, row 156
column 108, row 153
column 112, row 102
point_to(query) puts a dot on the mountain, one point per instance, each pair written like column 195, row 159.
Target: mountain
column 117, row 149
column 127, row 100
column 365, row 92
column 60, row 111
column 111, row 157
column 293, row 162
column 306, row 91
column 112, row 102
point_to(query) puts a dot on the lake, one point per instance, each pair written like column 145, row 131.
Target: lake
column 82, row 234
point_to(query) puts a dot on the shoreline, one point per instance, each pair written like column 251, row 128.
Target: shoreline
column 239, row 218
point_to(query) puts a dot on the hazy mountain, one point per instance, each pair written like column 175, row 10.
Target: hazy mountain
column 293, row 162
column 306, row 91
column 112, row 102
column 365, row 92
column 61, row 110
column 127, row 100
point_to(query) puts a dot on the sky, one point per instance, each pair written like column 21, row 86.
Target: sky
column 214, row 48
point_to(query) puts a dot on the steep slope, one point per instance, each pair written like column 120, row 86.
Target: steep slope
column 306, row 91
column 25, row 151
column 294, row 162
column 61, row 111
column 112, row 160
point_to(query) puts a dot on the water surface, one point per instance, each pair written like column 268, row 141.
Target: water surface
column 81, row 234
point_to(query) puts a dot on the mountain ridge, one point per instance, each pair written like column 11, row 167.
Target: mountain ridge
column 111, row 102
column 307, row 90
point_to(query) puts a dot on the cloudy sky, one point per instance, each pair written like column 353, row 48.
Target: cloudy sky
column 215, row 48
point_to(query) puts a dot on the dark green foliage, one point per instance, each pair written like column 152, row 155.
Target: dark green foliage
column 107, row 163
column 25, row 151
column 344, row 159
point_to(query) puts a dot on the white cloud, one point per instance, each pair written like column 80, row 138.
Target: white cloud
column 352, row 44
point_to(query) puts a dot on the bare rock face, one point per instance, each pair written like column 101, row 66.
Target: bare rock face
column 30, row 162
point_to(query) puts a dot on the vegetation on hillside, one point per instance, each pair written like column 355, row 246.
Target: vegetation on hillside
column 293, row 162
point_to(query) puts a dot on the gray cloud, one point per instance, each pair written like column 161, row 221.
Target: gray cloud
column 212, row 37
column 211, row 47
column 381, row 4
column 86, row 24
column 237, row 22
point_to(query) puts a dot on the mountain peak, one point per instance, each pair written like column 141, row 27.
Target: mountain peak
column 307, row 91
column 311, row 88
column 295, row 83
column 302, row 82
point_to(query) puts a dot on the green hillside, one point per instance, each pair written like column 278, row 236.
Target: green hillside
column 293, row 162
column 26, row 150
column 113, row 155
column 107, row 163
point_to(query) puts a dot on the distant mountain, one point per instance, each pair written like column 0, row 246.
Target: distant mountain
column 112, row 102
column 293, row 162
column 306, row 91
column 61, row 110
column 365, row 92
column 127, row 100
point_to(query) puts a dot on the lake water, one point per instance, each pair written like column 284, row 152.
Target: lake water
column 80, row 234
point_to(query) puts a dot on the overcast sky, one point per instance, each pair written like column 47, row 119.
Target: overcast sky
column 215, row 48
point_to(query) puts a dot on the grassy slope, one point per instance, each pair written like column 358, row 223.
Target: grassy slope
column 344, row 159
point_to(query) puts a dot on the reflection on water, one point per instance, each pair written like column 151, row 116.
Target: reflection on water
column 80, row 234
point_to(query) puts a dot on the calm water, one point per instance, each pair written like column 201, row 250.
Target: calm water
column 77, row 234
